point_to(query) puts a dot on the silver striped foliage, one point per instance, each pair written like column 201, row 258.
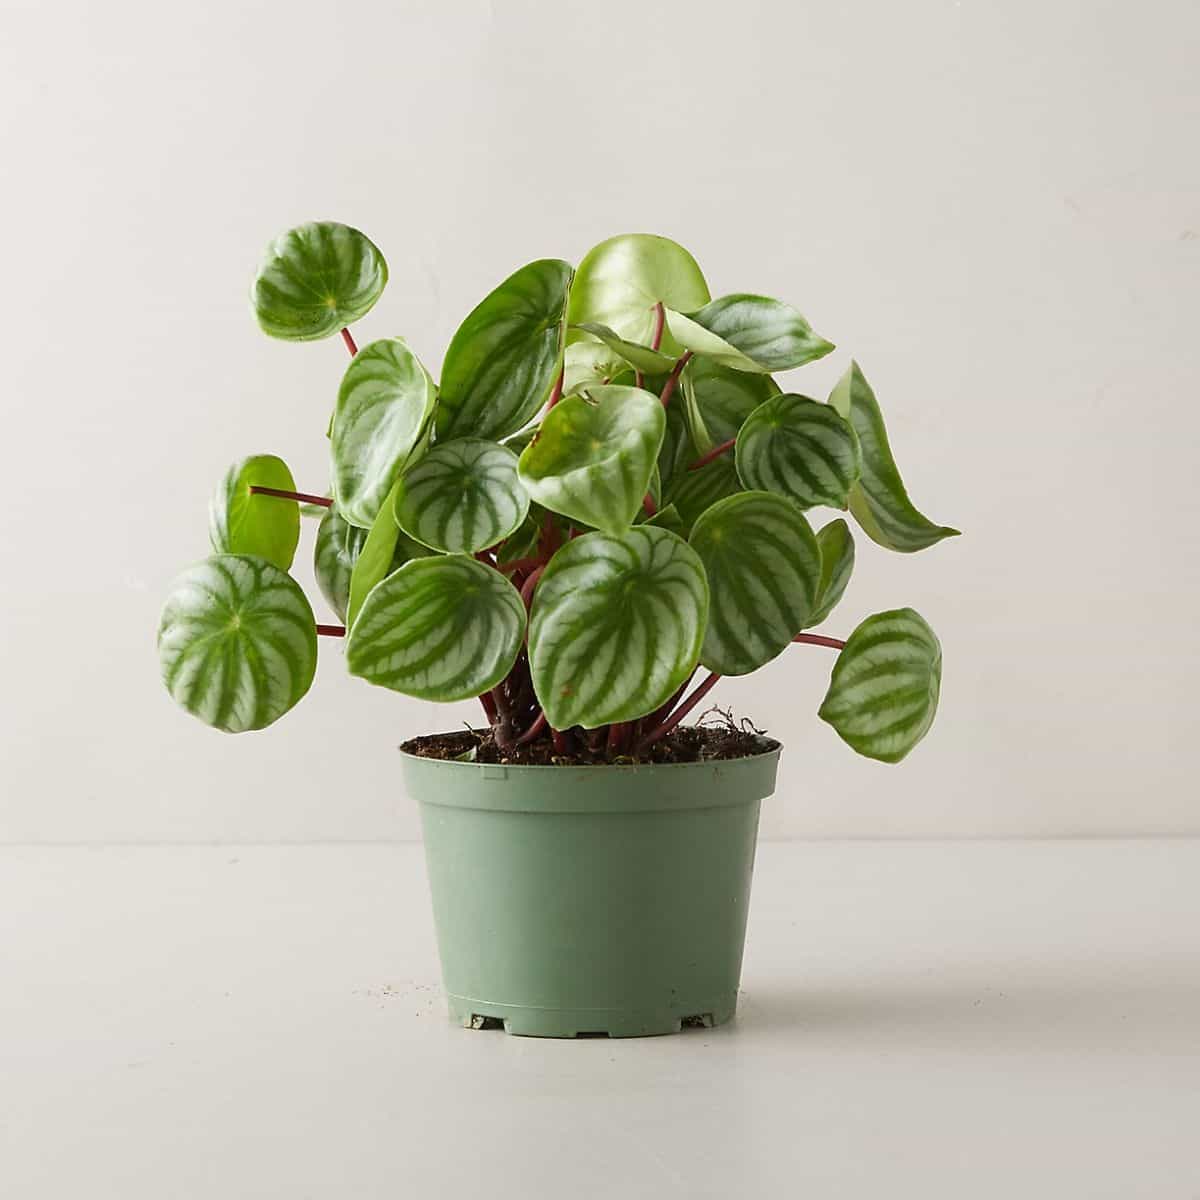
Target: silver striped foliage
column 749, row 333
column 462, row 496
column 616, row 626
column 725, row 397
column 504, row 359
column 691, row 492
column 337, row 548
column 837, row 564
column 879, row 501
column 883, row 694
column 801, row 449
column 439, row 628
column 316, row 279
column 241, row 523
column 641, row 358
column 763, row 569
column 595, row 455
column 237, row 642
column 384, row 407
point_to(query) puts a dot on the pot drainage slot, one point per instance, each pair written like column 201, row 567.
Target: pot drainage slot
column 482, row 1022
column 585, row 1033
column 698, row 1021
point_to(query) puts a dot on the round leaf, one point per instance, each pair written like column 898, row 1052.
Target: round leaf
column 763, row 567
column 617, row 624
column 383, row 408
column 594, row 456
column 504, row 359
column 462, row 496
column 237, row 642
column 442, row 628
column 337, row 549
column 883, row 694
column 316, row 279
column 241, row 523
column 837, row 563
column 799, row 448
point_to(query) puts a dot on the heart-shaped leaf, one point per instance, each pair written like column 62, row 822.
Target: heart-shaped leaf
column 316, row 279
column 879, row 501
column 383, row 409
column 505, row 357
column 241, row 523
column 337, row 548
column 594, row 456
column 383, row 551
column 692, row 492
column 621, row 281
column 616, row 627
column 642, row 358
column 237, row 642
column 462, row 496
column 763, row 567
column 441, row 628
column 883, row 694
column 799, row 448
column 749, row 333
column 837, row 563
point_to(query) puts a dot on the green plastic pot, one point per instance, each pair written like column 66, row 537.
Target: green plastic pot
column 591, row 900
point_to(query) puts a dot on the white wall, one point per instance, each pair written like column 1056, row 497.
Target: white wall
column 995, row 207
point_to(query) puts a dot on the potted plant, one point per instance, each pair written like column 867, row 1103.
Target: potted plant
column 604, row 493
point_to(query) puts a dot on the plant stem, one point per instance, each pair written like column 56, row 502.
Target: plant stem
column 519, row 564
column 618, row 735
column 560, row 741
column 533, row 730
column 818, row 639
column 348, row 338
column 531, row 583
column 673, row 378
column 678, row 715
column 649, row 505
column 715, row 452
column 660, row 317
column 663, row 709
column 503, row 728
column 556, row 391
column 299, row 497
column 489, row 707
column 331, row 630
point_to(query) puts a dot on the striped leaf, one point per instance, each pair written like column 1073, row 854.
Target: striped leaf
column 316, row 279
column 641, row 358
column 725, row 397
column 691, row 492
column 617, row 624
column 384, row 549
column 763, row 568
column 620, row 281
column 441, row 628
column 462, row 496
column 237, row 642
column 383, row 409
column 595, row 455
column 799, row 448
column 749, row 333
column 677, row 451
column 879, row 501
column 837, row 563
column 241, row 523
column 337, row 548
column 505, row 357
column 883, row 694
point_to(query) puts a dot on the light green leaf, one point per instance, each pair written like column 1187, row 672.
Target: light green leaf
column 442, row 628
column 462, row 496
column 642, row 358
column 749, row 333
column 586, row 364
column 883, row 694
column 799, row 448
column 316, row 279
column 667, row 517
column 763, row 567
column 505, row 357
column 237, row 642
column 837, row 563
column 241, row 523
column 879, row 501
column 384, row 407
column 620, row 282
column 337, row 548
column 617, row 624
column 594, row 456
column 691, row 492
column 384, row 549
column 693, row 418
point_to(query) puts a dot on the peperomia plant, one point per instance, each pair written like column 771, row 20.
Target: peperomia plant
column 606, row 490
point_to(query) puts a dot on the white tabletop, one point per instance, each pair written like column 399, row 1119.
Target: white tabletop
column 951, row 1019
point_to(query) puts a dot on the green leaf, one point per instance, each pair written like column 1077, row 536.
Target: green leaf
column 594, row 456
column 879, row 501
column 677, row 450
column 621, row 280
column 616, row 626
column 883, row 694
column 725, row 397
column 241, row 523
column 237, row 642
column 801, row 449
column 384, row 406
column 586, row 364
column 693, row 417
column 837, row 563
column 667, row 517
column 691, row 492
column 442, row 628
column 505, row 357
column 376, row 558
column 316, row 279
column 763, row 566
column 337, row 548
column 642, row 358
column 749, row 333
column 462, row 496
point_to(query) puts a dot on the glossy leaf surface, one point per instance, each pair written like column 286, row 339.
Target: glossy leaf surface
column 377, row 558
column 617, row 624
column 725, row 397
column 241, row 523
column 641, row 358
column 691, row 492
column 337, row 548
column 837, row 564
column 237, row 642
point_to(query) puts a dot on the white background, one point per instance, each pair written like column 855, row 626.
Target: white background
column 994, row 207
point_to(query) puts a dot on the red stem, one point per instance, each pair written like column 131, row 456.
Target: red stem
column 560, row 742
column 331, row 630
column 556, row 391
column 299, row 497
column 519, row 564
column 528, row 586
column 489, row 707
column 673, row 378
column 348, row 338
column 678, row 715
column 533, row 730
column 649, row 505
column 819, row 639
column 663, row 709
column 715, row 452
column 660, row 317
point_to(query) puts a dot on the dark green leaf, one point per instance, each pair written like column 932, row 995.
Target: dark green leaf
column 837, row 563
column 691, row 492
